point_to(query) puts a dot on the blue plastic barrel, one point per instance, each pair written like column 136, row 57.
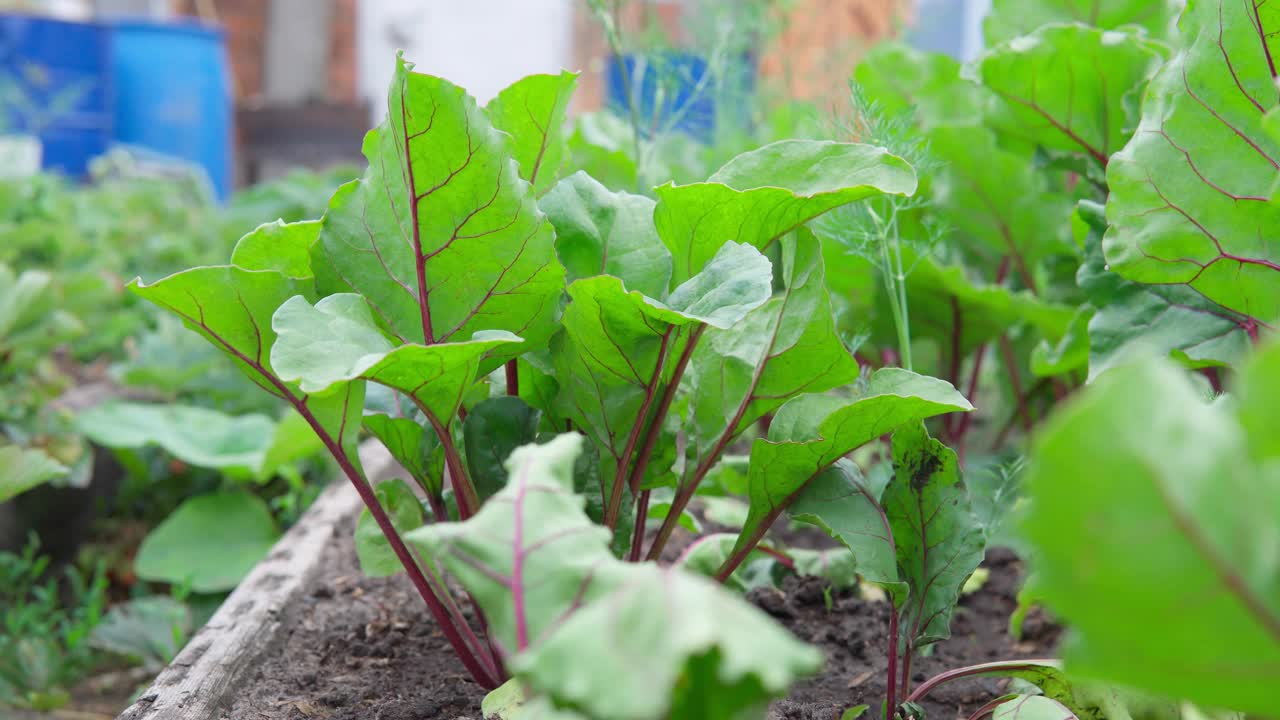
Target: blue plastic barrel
column 54, row 84
column 674, row 88
column 173, row 93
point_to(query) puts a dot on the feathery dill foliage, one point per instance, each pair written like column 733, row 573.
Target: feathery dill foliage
column 892, row 233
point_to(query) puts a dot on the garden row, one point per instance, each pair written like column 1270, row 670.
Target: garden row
column 127, row 446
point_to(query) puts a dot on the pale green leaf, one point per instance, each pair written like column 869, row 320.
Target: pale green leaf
column 763, row 194
column 1011, row 18
column 1165, row 544
column 209, row 543
column 280, row 246
column 442, row 236
column 196, row 435
column 785, row 347
column 1064, row 86
column 599, row 232
column 1190, row 194
column 812, row 432
column 938, row 540
column 405, row 512
column 327, row 346
column 532, row 111
column 24, row 468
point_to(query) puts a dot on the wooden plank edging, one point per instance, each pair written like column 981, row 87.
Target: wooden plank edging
column 199, row 684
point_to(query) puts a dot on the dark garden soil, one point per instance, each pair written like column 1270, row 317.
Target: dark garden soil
column 358, row 648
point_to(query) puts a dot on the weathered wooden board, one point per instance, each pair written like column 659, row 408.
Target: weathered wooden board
column 221, row 657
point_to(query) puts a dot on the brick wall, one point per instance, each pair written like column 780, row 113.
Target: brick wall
column 811, row 59
column 246, row 22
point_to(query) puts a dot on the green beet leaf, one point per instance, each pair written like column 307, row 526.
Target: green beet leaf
column 405, row 512
column 845, row 504
column 1171, row 319
column 232, row 308
column 599, row 232
column 1190, row 199
column 939, row 542
column 615, row 341
column 1010, row 18
column 763, row 194
column 675, row 645
column 960, row 314
column 24, row 468
column 906, row 82
column 812, row 432
column 1064, row 86
column 998, row 198
column 1161, row 546
column 543, row 573
column 209, row 543
column 442, row 236
column 530, row 550
column 786, row 346
column 279, row 246
column 399, row 425
column 196, row 435
column 492, row 431
column 326, row 346
column 532, row 111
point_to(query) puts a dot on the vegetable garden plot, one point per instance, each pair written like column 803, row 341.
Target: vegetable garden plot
column 548, row 397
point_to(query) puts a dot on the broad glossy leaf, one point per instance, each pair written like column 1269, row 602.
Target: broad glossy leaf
column 608, row 357
column 599, row 232
column 667, row 644
column 531, row 552
column 1170, row 319
column 763, row 194
column 846, row 505
column 232, row 308
column 938, row 540
column 1064, row 86
column 998, row 198
column 405, row 512
column 399, row 425
column 544, row 575
column 1070, row 352
column 837, row 566
column 209, row 543
column 706, row 554
column 24, row 468
column 327, row 346
column 1165, row 547
column 196, row 435
column 812, row 432
column 949, row 307
column 532, row 111
column 280, row 246
column 442, row 236
column 1190, row 194
column 905, row 81
column 492, row 431
column 1011, row 18
column 786, row 346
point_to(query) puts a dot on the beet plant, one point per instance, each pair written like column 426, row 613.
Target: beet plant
column 462, row 304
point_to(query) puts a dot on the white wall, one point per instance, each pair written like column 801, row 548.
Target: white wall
column 482, row 45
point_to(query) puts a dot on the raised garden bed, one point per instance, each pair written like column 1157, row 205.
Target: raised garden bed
column 218, row 660
column 308, row 635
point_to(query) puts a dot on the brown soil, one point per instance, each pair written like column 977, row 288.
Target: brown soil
column 360, row 648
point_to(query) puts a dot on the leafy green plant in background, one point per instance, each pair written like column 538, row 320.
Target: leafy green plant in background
column 44, row 644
